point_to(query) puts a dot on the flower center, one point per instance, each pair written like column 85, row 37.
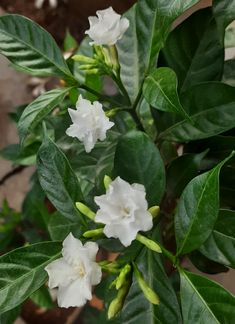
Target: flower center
column 125, row 212
column 80, row 270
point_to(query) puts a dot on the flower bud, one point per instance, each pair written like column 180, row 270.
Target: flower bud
column 116, row 305
column 85, row 210
column 112, row 267
column 83, row 59
column 122, row 278
column 154, row 211
column 93, row 233
column 150, row 244
column 147, row 291
column 107, row 181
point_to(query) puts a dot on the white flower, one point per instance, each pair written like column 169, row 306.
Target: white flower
column 108, row 28
column 89, row 123
column 123, row 210
column 74, row 273
column 39, row 3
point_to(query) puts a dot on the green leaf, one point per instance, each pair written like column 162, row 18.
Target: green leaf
column 137, row 160
column 198, row 210
column 137, row 309
column 10, row 316
column 181, row 170
column 194, row 50
column 30, row 47
column 59, row 227
column 211, row 109
column 150, row 23
column 58, row 180
column 42, row 298
column 160, row 91
column 204, row 301
column 22, row 272
column 37, row 110
column 220, row 245
column 224, row 13
column 70, row 42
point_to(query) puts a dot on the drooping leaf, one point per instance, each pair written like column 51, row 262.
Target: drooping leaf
column 22, row 272
column 194, row 51
column 42, row 298
column 30, row 47
column 204, row 301
column 58, row 180
column 137, row 160
column 211, row 108
column 160, row 90
column 220, row 246
column 150, row 22
column 198, row 210
column 38, row 109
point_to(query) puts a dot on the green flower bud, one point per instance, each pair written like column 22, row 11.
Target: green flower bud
column 87, row 67
column 93, row 233
column 147, row 291
column 116, row 305
column 83, row 59
column 112, row 267
column 85, row 210
column 107, row 181
column 154, row 211
column 122, row 278
column 150, row 244
column 114, row 58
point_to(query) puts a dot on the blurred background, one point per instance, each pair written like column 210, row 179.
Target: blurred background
column 17, row 89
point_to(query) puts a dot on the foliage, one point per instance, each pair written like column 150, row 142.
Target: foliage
column 174, row 133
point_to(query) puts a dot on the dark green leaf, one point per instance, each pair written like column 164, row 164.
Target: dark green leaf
column 220, row 246
column 22, row 272
column 211, row 108
column 198, row 210
column 42, row 298
column 59, row 227
column 58, row 180
column 150, row 23
column 10, row 316
column 160, row 91
column 138, row 160
column 204, row 301
column 181, row 171
column 70, row 42
column 194, row 51
column 30, row 47
column 206, row 265
column 38, row 109
column 137, row 309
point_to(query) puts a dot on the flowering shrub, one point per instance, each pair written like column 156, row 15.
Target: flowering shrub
column 147, row 172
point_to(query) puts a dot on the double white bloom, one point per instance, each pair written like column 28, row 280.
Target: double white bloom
column 39, row 3
column 107, row 28
column 124, row 211
column 75, row 272
column 89, row 123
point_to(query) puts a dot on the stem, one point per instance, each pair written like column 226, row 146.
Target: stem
column 119, row 83
column 168, row 254
column 137, row 120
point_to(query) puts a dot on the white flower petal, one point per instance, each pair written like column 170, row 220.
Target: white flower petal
column 71, row 248
column 92, row 249
column 126, row 234
column 59, row 272
column 75, row 294
column 96, row 274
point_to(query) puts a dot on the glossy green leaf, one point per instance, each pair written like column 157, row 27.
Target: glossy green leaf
column 194, row 51
column 181, row 170
column 70, row 42
column 204, row 301
column 10, row 316
column 220, row 246
column 42, row 298
column 30, row 47
column 22, row 272
column 224, row 12
column 137, row 160
column 59, row 227
column 37, row 110
column 150, row 23
column 58, row 180
column 198, row 210
column 160, row 91
column 211, row 108
column 137, row 309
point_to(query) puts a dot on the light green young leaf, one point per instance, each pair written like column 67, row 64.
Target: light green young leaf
column 22, row 272
column 38, row 109
column 204, row 301
column 198, row 210
column 30, row 47
column 160, row 91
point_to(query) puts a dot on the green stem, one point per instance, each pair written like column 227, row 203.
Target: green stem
column 137, row 120
column 119, row 83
